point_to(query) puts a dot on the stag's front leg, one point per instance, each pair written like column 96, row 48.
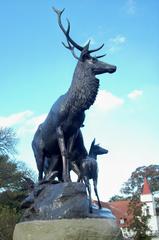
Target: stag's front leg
column 75, row 168
column 62, row 146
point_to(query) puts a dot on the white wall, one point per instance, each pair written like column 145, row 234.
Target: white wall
column 150, row 203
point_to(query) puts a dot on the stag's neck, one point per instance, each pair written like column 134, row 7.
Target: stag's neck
column 93, row 155
column 83, row 90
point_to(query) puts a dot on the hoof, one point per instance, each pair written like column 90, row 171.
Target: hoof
column 51, row 176
column 91, row 210
column 67, row 179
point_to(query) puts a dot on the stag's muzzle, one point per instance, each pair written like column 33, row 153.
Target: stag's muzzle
column 102, row 67
column 112, row 70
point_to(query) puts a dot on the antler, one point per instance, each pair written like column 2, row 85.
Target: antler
column 71, row 48
column 70, row 40
column 101, row 56
column 97, row 49
column 66, row 32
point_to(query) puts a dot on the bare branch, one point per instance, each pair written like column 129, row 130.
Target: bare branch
column 8, row 141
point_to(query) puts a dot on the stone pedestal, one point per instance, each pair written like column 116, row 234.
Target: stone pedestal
column 56, row 201
column 68, row 229
column 59, row 201
column 61, row 212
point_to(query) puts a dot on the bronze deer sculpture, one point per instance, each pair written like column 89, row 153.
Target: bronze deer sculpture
column 59, row 133
column 89, row 170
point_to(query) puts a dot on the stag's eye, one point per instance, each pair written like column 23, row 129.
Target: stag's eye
column 94, row 60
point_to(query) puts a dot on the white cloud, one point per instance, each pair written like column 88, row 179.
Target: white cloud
column 106, row 101
column 116, row 42
column 35, row 121
column 135, row 94
column 27, row 122
column 30, row 125
column 119, row 39
column 24, row 122
column 15, row 119
column 131, row 7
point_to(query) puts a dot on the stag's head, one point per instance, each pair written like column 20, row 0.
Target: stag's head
column 92, row 64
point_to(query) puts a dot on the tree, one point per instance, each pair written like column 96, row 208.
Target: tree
column 117, row 198
column 8, row 141
column 14, row 176
column 8, row 218
column 139, row 220
column 137, row 209
column 135, row 182
column 16, row 181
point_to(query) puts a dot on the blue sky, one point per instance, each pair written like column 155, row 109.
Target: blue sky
column 35, row 69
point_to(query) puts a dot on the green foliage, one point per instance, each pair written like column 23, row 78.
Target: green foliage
column 139, row 222
column 8, row 218
column 117, row 198
column 13, row 176
column 135, row 182
column 16, row 181
column 12, row 199
column 15, row 184
column 133, row 188
column 8, row 174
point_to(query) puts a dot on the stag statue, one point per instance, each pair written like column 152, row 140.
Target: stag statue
column 53, row 166
column 57, row 135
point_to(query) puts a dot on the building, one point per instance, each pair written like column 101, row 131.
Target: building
column 150, row 208
column 120, row 210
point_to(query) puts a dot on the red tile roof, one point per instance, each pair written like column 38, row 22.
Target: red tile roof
column 119, row 209
column 146, row 187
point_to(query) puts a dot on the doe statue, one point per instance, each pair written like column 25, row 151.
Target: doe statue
column 89, row 170
column 60, row 135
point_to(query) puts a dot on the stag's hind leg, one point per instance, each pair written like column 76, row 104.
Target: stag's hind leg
column 39, row 157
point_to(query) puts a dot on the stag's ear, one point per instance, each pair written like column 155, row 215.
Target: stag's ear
column 92, row 146
column 93, row 143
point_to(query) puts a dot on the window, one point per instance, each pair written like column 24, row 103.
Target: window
column 122, row 221
column 147, row 211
